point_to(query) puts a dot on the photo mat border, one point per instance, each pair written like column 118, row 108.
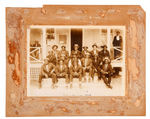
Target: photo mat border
column 18, row 104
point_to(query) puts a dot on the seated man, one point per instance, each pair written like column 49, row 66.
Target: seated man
column 96, row 63
column 61, row 70
column 87, row 66
column 75, row 70
column 47, row 70
column 107, row 72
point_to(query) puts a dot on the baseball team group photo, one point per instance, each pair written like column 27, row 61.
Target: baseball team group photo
column 76, row 60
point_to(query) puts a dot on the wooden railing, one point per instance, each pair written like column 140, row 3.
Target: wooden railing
column 118, row 62
column 35, row 54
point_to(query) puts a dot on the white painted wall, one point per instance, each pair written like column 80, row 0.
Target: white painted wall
column 92, row 36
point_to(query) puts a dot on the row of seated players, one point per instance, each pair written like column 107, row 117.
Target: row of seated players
column 60, row 64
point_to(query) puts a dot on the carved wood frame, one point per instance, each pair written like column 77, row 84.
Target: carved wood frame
column 17, row 22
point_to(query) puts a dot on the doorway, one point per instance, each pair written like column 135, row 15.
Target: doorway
column 76, row 38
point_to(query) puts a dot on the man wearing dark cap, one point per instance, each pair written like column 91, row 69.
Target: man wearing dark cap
column 94, row 52
column 53, row 55
column 76, row 52
column 63, row 54
column 117, row 43
column 104, row 53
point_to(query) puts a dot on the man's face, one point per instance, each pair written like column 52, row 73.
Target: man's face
column 61, row 62
column 63, row 48
column 118, row 33
column 55, row 48
column 94, row 47
column 86, row 49
column 105, row 48
column 76, row 48
column 106, row 61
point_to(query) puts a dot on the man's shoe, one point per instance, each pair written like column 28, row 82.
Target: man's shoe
column 109, row 86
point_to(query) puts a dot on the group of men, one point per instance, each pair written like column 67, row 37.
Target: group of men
column 59, row 64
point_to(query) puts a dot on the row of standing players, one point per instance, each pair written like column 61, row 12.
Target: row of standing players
column 59, row 64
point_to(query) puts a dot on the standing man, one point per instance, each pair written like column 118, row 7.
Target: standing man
column 94, row 52
column 47, row 70
column 85, row 51
column 117, row 43
column 53, row 55
column 76, row 51
column 104, row 53
column 64, row 55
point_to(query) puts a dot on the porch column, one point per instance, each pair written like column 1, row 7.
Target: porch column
column 69, row 40
column 44, row 47
column 108, row 38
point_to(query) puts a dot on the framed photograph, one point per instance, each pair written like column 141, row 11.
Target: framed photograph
column 75, row 61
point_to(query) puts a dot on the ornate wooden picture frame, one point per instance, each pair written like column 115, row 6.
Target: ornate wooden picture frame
column 19, row 20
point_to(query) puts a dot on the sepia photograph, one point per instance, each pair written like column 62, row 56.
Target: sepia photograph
column 76, row 60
